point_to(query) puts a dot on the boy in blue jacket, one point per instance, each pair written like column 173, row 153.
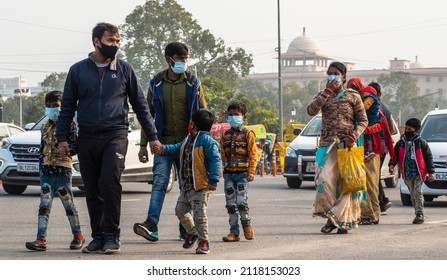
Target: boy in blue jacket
column 200, row 171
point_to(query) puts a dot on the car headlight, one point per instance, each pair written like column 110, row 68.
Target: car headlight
column 290, row 152
column 5, row 143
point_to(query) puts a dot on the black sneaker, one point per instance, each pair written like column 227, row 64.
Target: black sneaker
column 147, row 230
column 112, row 244
column 190, row 240
column 95, row 246
column 77, row 243
column 36, row 245
column 419, row 219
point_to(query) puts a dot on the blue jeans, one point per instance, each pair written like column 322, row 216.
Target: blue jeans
column 50, row 186
column 162, row 172
column 236, row 196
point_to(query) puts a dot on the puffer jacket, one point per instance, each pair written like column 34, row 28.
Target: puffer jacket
column 206, row 161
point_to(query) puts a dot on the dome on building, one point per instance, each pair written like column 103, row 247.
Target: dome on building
column 416, row 64
column 305, row 46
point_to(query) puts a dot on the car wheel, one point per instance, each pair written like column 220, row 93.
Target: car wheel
column 392, row 182
column 14, row 189
column 294, row 183
column 429, row 198
column 406, row 199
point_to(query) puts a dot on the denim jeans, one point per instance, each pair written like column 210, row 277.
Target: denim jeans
column 51, row 185
column 236, row 188
column 162, row 172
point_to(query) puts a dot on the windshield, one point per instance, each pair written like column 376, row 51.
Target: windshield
column 434, row 128
column 39, row 124
column 313, row 128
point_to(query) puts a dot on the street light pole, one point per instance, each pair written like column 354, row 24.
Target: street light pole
column 20, row 98
column 280, row 138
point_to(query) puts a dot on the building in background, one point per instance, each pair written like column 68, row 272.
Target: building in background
column 305, row 61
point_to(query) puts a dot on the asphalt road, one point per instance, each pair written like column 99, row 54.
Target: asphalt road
column 281, row 218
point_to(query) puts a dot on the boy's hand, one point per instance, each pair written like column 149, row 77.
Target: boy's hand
column 153, row 145
column 63, row 149
column 212, row 188
column 250, row 177
column 158, row 150
column 431, row 177
column 391, row 169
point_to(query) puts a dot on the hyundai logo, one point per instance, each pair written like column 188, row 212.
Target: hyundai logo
column 33, row 150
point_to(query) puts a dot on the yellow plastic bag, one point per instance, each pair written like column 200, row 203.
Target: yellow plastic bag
column 352, row 169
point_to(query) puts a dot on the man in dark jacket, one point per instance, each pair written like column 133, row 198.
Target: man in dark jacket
column 99, row 88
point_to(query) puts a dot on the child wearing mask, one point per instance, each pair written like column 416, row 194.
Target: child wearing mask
column 239, row 154
column 372, row 107
column 200, row 171
column 55, row 177
column 415, row 161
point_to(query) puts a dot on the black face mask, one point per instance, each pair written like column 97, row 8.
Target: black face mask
column 409, row 134
column 108, row 51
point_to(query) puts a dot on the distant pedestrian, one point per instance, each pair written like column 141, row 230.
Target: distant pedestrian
column 55, row 176
column 384, row 201
column 415, row 161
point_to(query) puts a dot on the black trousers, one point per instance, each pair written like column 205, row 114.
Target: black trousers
column 101, row 159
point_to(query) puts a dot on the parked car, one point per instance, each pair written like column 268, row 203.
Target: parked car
column 8, row 129
column 434, row 131
column 300, row 156
column 19, row 160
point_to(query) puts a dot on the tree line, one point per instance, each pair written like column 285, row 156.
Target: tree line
column 151, row 26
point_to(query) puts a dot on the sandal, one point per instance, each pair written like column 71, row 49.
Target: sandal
column 328, row 228
column 366, row 221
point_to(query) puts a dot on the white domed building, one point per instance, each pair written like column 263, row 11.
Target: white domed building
column 306, row 61
column 304, row 55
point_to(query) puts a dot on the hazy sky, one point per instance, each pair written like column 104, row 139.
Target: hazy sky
column 44, row 36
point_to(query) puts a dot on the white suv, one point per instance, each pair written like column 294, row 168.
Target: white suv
column 299, row 163
column 434, row 131
column 19, row 160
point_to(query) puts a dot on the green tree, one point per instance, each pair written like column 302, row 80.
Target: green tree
column 217, row 95
column 33, row 108
column 296, row 99
column 259, row 111
column 401, row 93
column 150, row 27
column 54, row 81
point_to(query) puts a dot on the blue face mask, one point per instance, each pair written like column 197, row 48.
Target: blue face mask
column 52, row 113
column 330, row 78
column 179, row 66
column 235, row 121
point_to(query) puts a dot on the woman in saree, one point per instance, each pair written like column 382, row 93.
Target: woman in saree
column 343, row 121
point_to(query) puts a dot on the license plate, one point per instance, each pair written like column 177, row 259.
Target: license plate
column 28, row 168
column 310, row 167
column 441, row 176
